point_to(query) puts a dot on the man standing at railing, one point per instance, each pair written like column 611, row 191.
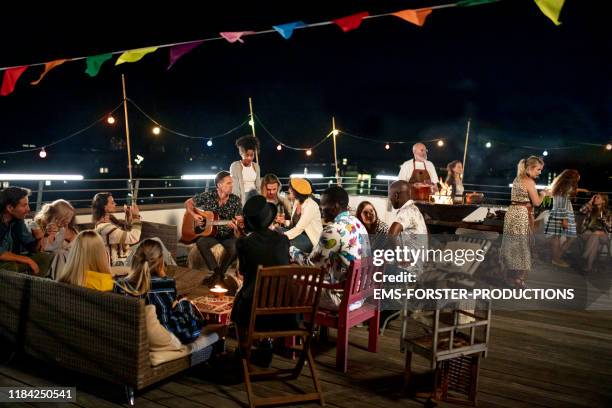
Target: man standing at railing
column 18, row 247
column 419, row 173
column 228, row 208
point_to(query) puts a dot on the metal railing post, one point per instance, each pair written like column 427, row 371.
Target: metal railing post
column 39, row 194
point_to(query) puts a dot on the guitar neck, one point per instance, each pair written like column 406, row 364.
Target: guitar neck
column 222, row 222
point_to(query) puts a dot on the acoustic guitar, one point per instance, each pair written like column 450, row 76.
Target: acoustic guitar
column 191, row 230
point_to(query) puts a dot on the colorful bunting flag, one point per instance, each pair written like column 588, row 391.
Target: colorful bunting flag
column 48, row 67
column 11, row 76
column 286, row 30
column 233, row 36
column 351, row 22
column 134, row 55
column 95, row 62
column 469, row 3
column 178, row 51
column 551, row 9
column 416, row 17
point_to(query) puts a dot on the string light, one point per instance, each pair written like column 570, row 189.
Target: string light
column 545, row 153
column 279, row 148
column 209, row 143
column 335, row 132
column 387, row 146
column 251, row 123
column 488, row 145
column 110, row 120
column 309, row 152
column 440, row 143
column 42, row 153
column 156, row 130
column 609, row 146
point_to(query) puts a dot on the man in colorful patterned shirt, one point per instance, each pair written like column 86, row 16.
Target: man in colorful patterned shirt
column 228, row 207
column 344, row 239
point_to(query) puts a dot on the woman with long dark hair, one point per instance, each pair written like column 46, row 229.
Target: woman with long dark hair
column 454, row 178
column 117, row 235
column 596, row 228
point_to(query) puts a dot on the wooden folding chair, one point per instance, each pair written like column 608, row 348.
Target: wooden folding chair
column 283, row 290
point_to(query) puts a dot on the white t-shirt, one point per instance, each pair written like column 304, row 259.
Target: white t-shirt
column 248, row 178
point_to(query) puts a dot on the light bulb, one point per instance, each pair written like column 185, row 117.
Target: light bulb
column 545, row 153
column 42, row 153
column 156, row 130
column 110, row 120
column 279, row 147
column 251, row 123
column 488, row 145
column 308, row 152
column 440, row 143
column 335, row 132
column 387, row 147
column 209, row 143
column 609, row 146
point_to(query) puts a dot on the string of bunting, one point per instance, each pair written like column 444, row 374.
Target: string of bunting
column 550, row 8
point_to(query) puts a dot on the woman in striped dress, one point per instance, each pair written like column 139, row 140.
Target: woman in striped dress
column 561, row 222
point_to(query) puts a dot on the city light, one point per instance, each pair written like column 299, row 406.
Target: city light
column 198, row 176
column 307, row 175
column 38, row 177
column 386, row 177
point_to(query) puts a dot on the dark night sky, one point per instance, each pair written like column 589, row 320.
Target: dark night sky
column 523, row 80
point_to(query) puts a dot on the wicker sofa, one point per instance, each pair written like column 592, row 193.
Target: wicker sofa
column 95, row 333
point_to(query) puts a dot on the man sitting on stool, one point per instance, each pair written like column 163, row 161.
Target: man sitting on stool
column 227, row 206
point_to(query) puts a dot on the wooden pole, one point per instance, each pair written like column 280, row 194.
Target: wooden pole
column 335, row 151
column 252, row 120
column 127, row 133
column 465, row 147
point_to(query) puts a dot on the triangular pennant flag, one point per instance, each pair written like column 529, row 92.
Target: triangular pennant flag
column 95, row 63
column 551, row 9
column 11, row 76
column 48, row 67
column 233, row 36
column 178, row 51
column 468, row 3
column 351, row 22
column 134, row 55
column 416, row 17
column 286, row 30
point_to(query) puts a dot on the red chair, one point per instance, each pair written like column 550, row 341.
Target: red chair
column 358, row 286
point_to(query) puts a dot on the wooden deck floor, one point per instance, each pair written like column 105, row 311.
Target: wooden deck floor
column 536, row 359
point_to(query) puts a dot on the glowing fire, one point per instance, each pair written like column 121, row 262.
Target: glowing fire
column 443, row 196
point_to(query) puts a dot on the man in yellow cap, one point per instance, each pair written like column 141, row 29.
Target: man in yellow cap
column 305, row 217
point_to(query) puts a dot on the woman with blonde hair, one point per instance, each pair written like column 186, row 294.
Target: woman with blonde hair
column 88, row 264
column 55, row 226
column 147, row 279
column 518, row 222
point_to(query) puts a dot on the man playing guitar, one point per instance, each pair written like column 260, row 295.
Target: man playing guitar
column 227, row 206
